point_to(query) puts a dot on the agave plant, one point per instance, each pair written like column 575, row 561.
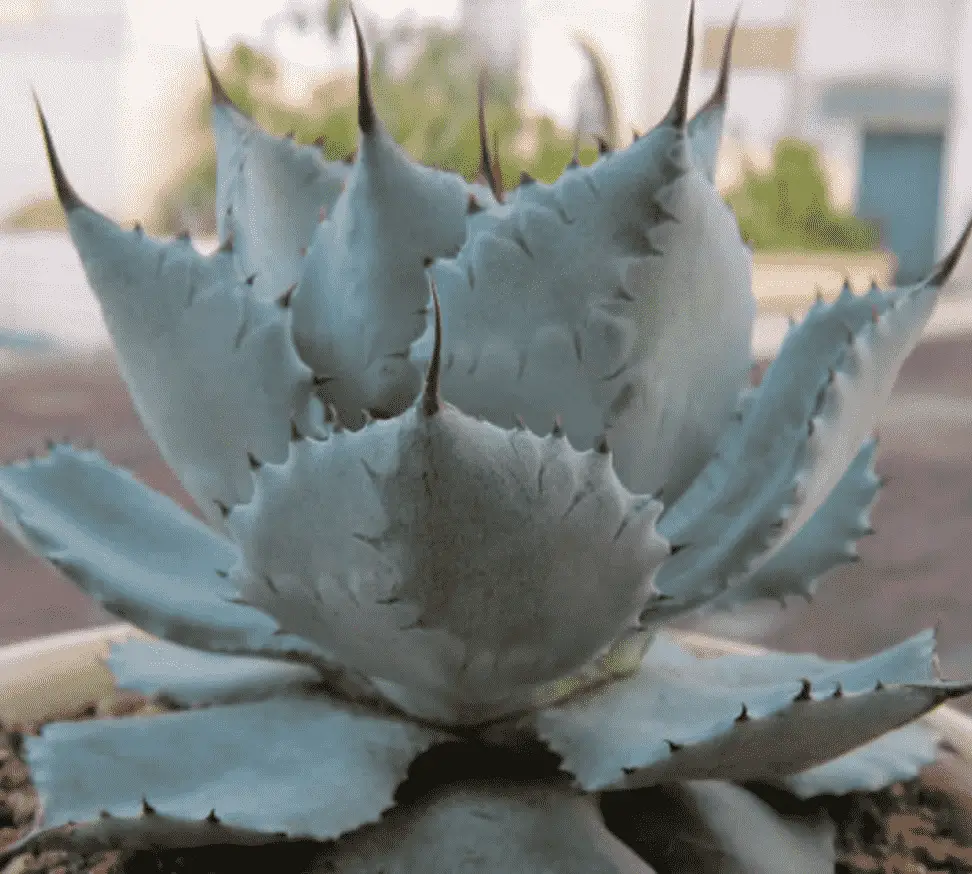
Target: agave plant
column 394, row 564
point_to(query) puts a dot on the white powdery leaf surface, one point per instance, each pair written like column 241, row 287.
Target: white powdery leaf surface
column 485, row 561
column 270, row 192
column 737, row 717
column 363, row 294
column 594, row 299
column 212, row 370
column 282, row 766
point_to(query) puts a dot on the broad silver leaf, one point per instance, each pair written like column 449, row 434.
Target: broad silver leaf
column 282, row 767
column 486, row 561
column 737, row 717
column 493, row 827
column 136, row 552
column 271, row 193
column 189, row 677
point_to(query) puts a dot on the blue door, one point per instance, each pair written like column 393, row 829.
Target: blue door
column 899, row 185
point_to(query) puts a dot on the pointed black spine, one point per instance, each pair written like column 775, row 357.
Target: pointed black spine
column 941, row 271
column 367, row 118
column 66, row 194
column 720, row 94
column 431, row 400
column 678, row 114
column 217, row 92
column 486, row 163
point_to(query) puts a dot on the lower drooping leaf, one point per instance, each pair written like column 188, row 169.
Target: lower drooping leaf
column 736, row 717
column 190, row 677
column 896, row 756
column 492, row 827
column 711, row 827
column 137, row 553
column 486, row 562
column 288, row 767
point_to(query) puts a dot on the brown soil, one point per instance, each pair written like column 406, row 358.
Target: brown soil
column 910, row 828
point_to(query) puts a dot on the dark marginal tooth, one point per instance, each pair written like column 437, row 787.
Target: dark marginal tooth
column 838, row 692
column 558, row 427
column 674, row 747
column 253, row 461
column 805, row 690
column 526, row 178
column 601, row 445
column 211, row 817
column 743, row 715
column 472, row 207
column 295, row 431
column 223, row 509
column 602, row 146
column 285, row 298
column 147, row 808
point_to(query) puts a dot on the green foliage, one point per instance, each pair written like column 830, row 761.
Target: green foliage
column 425, row 92
column 788, row 207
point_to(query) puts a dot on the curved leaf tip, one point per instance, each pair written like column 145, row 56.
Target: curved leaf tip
column 943, row 270
column 488, row 166
column 678, row 114
column 721, row 91
column 367, row 117
column 217, row 92
column 66, row 194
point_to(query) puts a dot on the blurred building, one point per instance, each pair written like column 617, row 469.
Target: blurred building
column 882, row 87
column 496, row 30
column 73, row 54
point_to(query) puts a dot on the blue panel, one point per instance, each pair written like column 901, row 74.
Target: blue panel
column 899, row 187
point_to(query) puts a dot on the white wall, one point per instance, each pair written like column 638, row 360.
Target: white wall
column 75, row 66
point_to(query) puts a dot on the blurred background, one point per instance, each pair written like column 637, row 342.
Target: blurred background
column 848, row 153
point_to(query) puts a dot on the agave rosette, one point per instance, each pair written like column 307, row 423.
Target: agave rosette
column 463, row 455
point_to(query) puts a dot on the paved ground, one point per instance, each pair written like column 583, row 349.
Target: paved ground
column 915, row 570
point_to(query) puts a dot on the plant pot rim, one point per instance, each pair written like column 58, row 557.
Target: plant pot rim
column 54, row 673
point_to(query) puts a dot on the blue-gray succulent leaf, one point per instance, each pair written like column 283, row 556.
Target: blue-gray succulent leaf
column 499, row 826
column 720, row 828
column 211, row 368
column 487, row 561
column 363, row 294
column 278, row 768
column 271, row 193
column 581, row 299
column 737, row 717
column 827, row 540
column 801, row 431
column 137, row 553
column 190, row 677
column 895, row 757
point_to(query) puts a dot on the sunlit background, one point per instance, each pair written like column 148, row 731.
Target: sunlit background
column 848, row 153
